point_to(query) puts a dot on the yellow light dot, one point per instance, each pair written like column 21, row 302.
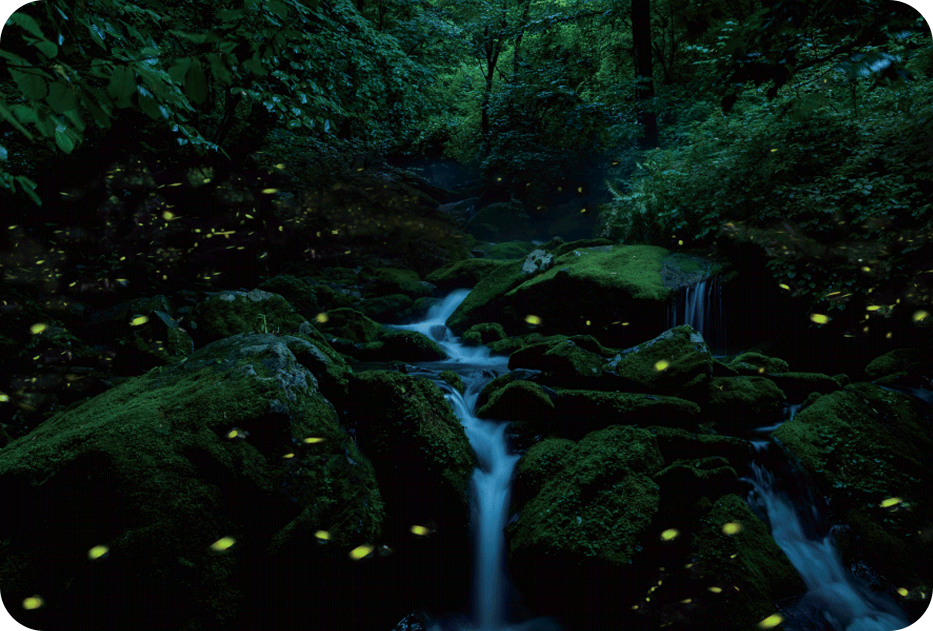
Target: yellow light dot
column 360, row 552
column 773, row 150
column 662, row 365
column 321, row 318
column 533, row 320
column 920, row 316
column 587, row 323
column 819, row 318
column 168, row 216
column 38, row 328
column 680, row 241
column 771, row 621
column 865, row 268
column 323, row 535
column 872, row 307
column 715, row 590
column 784, row 286
column 138, row 320
column 670, row 534
column 314, row 439
column 686, row 601
column 289, row 455
column 902, row 591
column 33, row 602
column 222, row 544
column 97, row 552
column 732, row 528
column 421, row 531
column 232, row 433
column 891, row 501
column 4, row 398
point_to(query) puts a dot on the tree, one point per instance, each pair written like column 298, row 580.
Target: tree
column 644, row 76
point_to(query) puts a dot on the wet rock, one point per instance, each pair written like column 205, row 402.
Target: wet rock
column 737, row 404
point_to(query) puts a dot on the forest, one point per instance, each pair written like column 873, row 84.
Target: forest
column 450, row 315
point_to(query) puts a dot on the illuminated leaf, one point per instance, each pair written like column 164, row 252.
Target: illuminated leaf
column 222, row 544
column 819, row 318
column 784, row 286
column 732, row 528
column 139, row 320
column 661, row 365
column 891, row 501
column 533, row 320
column 670, row 534
column 360, row 552
column 323, row 535
column 920, row 316
column 902, row 591
column 771, row 621
column 313, row 439
column 97, row 552
column 38, row 328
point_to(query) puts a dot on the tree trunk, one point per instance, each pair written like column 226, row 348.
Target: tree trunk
column 644, row 81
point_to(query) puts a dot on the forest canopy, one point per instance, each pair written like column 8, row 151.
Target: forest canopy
column 805, row 127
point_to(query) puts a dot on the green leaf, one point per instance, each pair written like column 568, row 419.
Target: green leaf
column 8, row 115
column 93, row 102
column 65, row 138
column 62, row 97
column 26, row 23
column 47, row 48
column 178, row 71
column 150, row 106
column 196, row 84
column 31, row 84
column 122, row 86
column 29, row 187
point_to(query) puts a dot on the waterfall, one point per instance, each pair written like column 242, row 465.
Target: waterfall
column 492, row 479
column 700, row 306
column 791, row 508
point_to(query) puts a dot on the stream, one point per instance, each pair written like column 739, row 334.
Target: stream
column 836, row 599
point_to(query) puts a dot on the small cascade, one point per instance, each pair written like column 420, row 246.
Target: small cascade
column 700, row 306
column 796, row 515
column 491, row 483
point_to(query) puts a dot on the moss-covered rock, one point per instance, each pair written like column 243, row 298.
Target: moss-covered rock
column 407, row 346
column 584, row 510
column 349, row 324
column 741, row 403
column 520, row 401
column 462, row 274
column 678, row 363
column 504, row 251
column 453, row 379
column 758, row 364
column 579, row 412
column 901, row 367
column 797, row 385
column 563, row 360
column 386, row 309
column 165, row 465
column 743, row 564
column 229, row 313
column 423, row 462
column 483, row 334
column 678, row 444
column 386, row 281
column 864, row 445
column 307, row 298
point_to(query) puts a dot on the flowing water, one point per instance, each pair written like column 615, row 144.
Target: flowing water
column 797, row 517
column 492, row 478
column 700, row 306
column 780, row 494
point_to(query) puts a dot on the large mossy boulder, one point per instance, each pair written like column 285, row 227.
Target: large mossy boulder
column 423, row 462
column 869, row 449
column 227, row 313
column 196, row 486
column 740, row 568
column 463, row 274
column 568, row 362
column 583, row 513
column 909, row 367
column 738, row 404
column 797, row 386
column 612, row 292
column 677, row 363
column 579, row 412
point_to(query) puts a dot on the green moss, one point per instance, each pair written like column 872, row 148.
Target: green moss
column 453, row 379
column 387, row 281
column 582, row 411
column 349, row 324
column 462, row 274
column 484, row 303
column 756, row 363
column 898, row 360
column 518, row 400
column 508, row 250
column 863, row 445
column 737, row 403
column 484, row 333
column 595, row 499
column 228, row 313
column 748, row 567
column 306, row 299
